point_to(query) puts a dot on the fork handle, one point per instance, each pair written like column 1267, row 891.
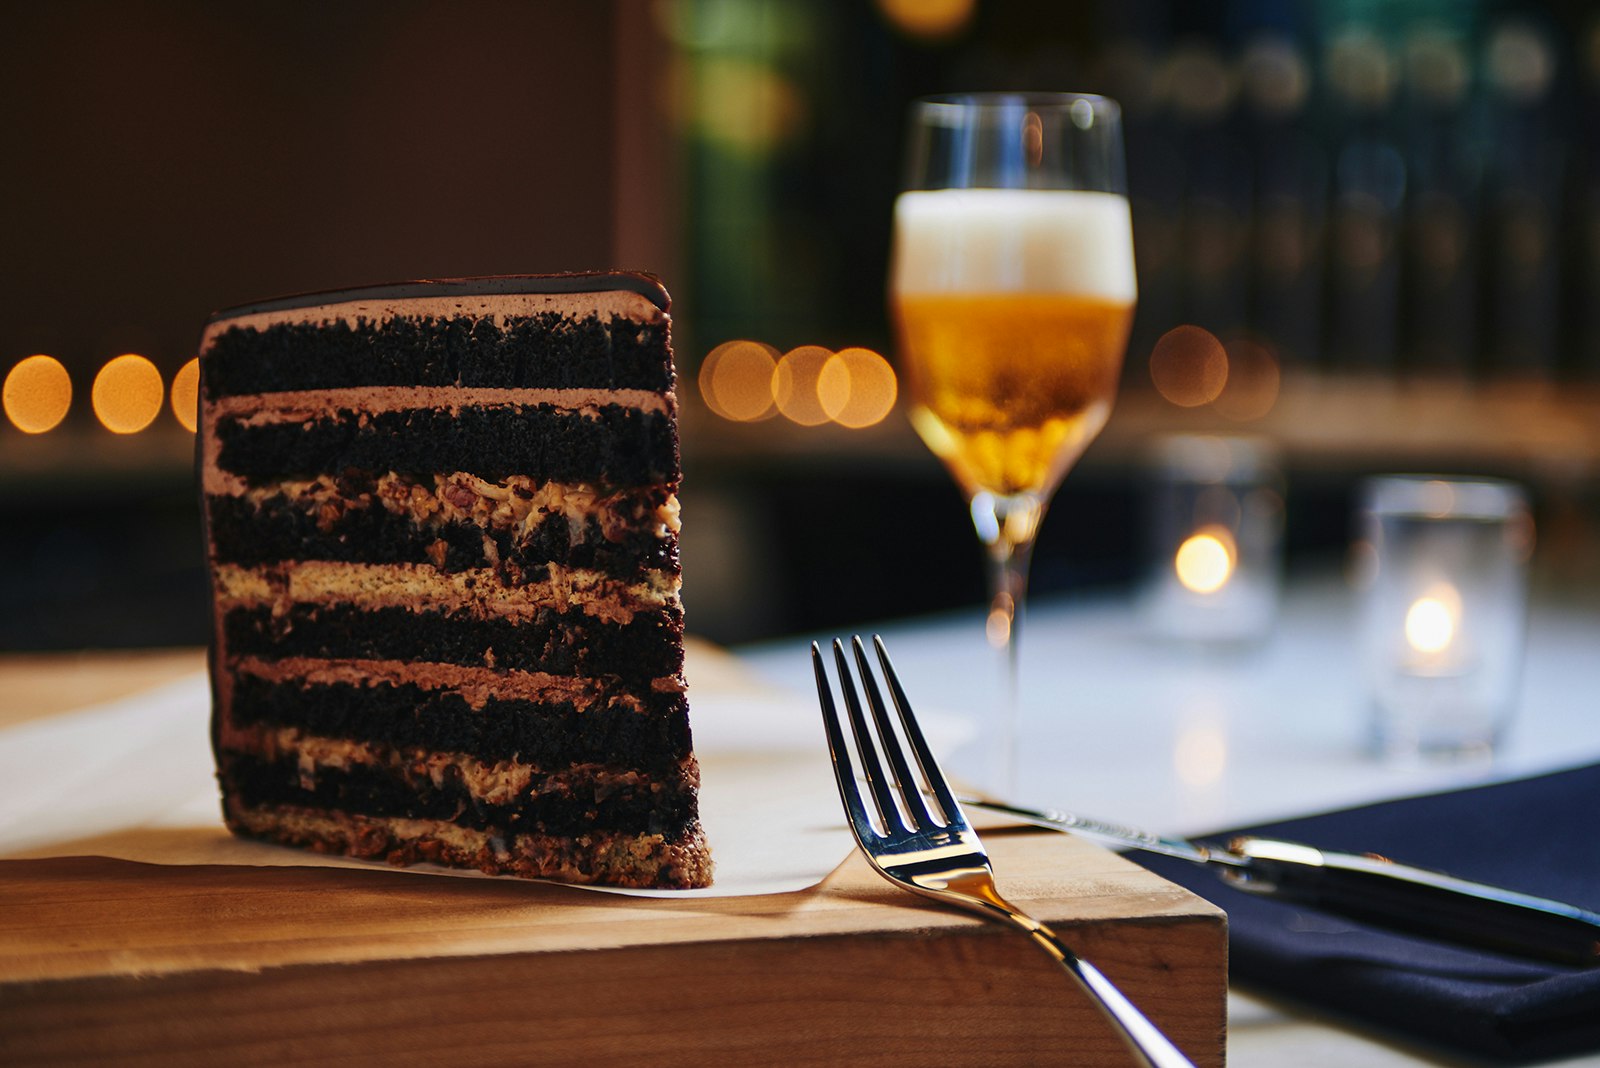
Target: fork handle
column 1143, row 1037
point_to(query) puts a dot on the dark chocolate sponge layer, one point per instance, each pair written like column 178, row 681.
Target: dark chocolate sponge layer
column 546, row 350
column 569, row 643
column 544, row 734
column 617, row 447
column 646, row 807
column 280, row 531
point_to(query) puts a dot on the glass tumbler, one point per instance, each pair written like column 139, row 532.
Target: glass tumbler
column 1215, row 529
column 1445, row 613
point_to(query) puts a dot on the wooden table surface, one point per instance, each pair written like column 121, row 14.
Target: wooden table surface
column 114, row 961
column 35, row 685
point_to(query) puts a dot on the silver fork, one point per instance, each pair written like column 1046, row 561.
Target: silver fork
column 941, row 857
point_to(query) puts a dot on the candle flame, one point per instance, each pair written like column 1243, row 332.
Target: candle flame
column 1205, row 560
column 1430, row 625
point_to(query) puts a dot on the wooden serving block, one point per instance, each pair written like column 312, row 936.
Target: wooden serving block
column 113, row 962
column 109, row 961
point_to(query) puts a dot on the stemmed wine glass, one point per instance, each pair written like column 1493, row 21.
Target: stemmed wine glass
column 1012, row 291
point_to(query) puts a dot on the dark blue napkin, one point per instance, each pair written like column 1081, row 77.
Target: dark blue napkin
column 1539, row 835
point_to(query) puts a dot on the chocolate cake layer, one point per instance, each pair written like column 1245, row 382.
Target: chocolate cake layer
column 638, row 726
column 573, row 806
column 357, row 529
column 616, row 446
column 559, row 353
column 644, row 861
column 565, row 643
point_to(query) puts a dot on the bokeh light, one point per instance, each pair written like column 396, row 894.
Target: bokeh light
column 186, row 395
column 997, row 625
column 1189, row 366
column 809, row 385
column 857, row 388
column 37, row 394
column 1199, row 81
column 1204, row 562
column 1436, row 65
column 1438, row 498
column 1276, row 77
column 1359, row 67
column 794, row 384
column 930, row 20
column 1519, row 60
column 127, row 394
column 1254, row 379
column 1033, row 133
column 747, row 106
column 736, row 380
column 1200, row 754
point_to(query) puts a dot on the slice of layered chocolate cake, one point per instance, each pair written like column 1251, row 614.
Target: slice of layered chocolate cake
column 443, row 526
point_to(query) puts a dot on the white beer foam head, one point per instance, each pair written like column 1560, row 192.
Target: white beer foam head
column 1014, row 241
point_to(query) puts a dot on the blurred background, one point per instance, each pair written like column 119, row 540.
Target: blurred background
column 1377, row 223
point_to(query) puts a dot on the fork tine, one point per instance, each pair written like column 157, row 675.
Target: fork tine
column 865, row 747
column 934, row 777
column 843, row 772
column 910, row 789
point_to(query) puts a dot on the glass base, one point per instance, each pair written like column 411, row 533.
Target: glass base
column 1409, row 740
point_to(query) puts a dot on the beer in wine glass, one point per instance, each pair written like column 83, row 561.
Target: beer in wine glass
column 1012, row 291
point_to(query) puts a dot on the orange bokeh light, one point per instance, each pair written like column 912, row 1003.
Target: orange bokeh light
column 1189, row 366
column 794, row 384
column 1254, row 380
column 127, row 394
column 857, row 388
column 37, row 394
column 186, row 395
column 736, row 380
column 930, row 20
column 746, row 381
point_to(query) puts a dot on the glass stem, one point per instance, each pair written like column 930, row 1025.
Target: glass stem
column 1007, row 527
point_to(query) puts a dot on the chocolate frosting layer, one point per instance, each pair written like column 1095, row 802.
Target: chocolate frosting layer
column 643, row 283
column 477, row 686
column 295, row 406
column 474, row 594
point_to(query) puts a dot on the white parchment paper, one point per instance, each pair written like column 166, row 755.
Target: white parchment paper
column 134, row 780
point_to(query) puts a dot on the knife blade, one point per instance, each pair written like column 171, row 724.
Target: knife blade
column 1362, row 886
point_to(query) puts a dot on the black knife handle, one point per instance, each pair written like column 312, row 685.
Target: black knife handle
column 1370, row 887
